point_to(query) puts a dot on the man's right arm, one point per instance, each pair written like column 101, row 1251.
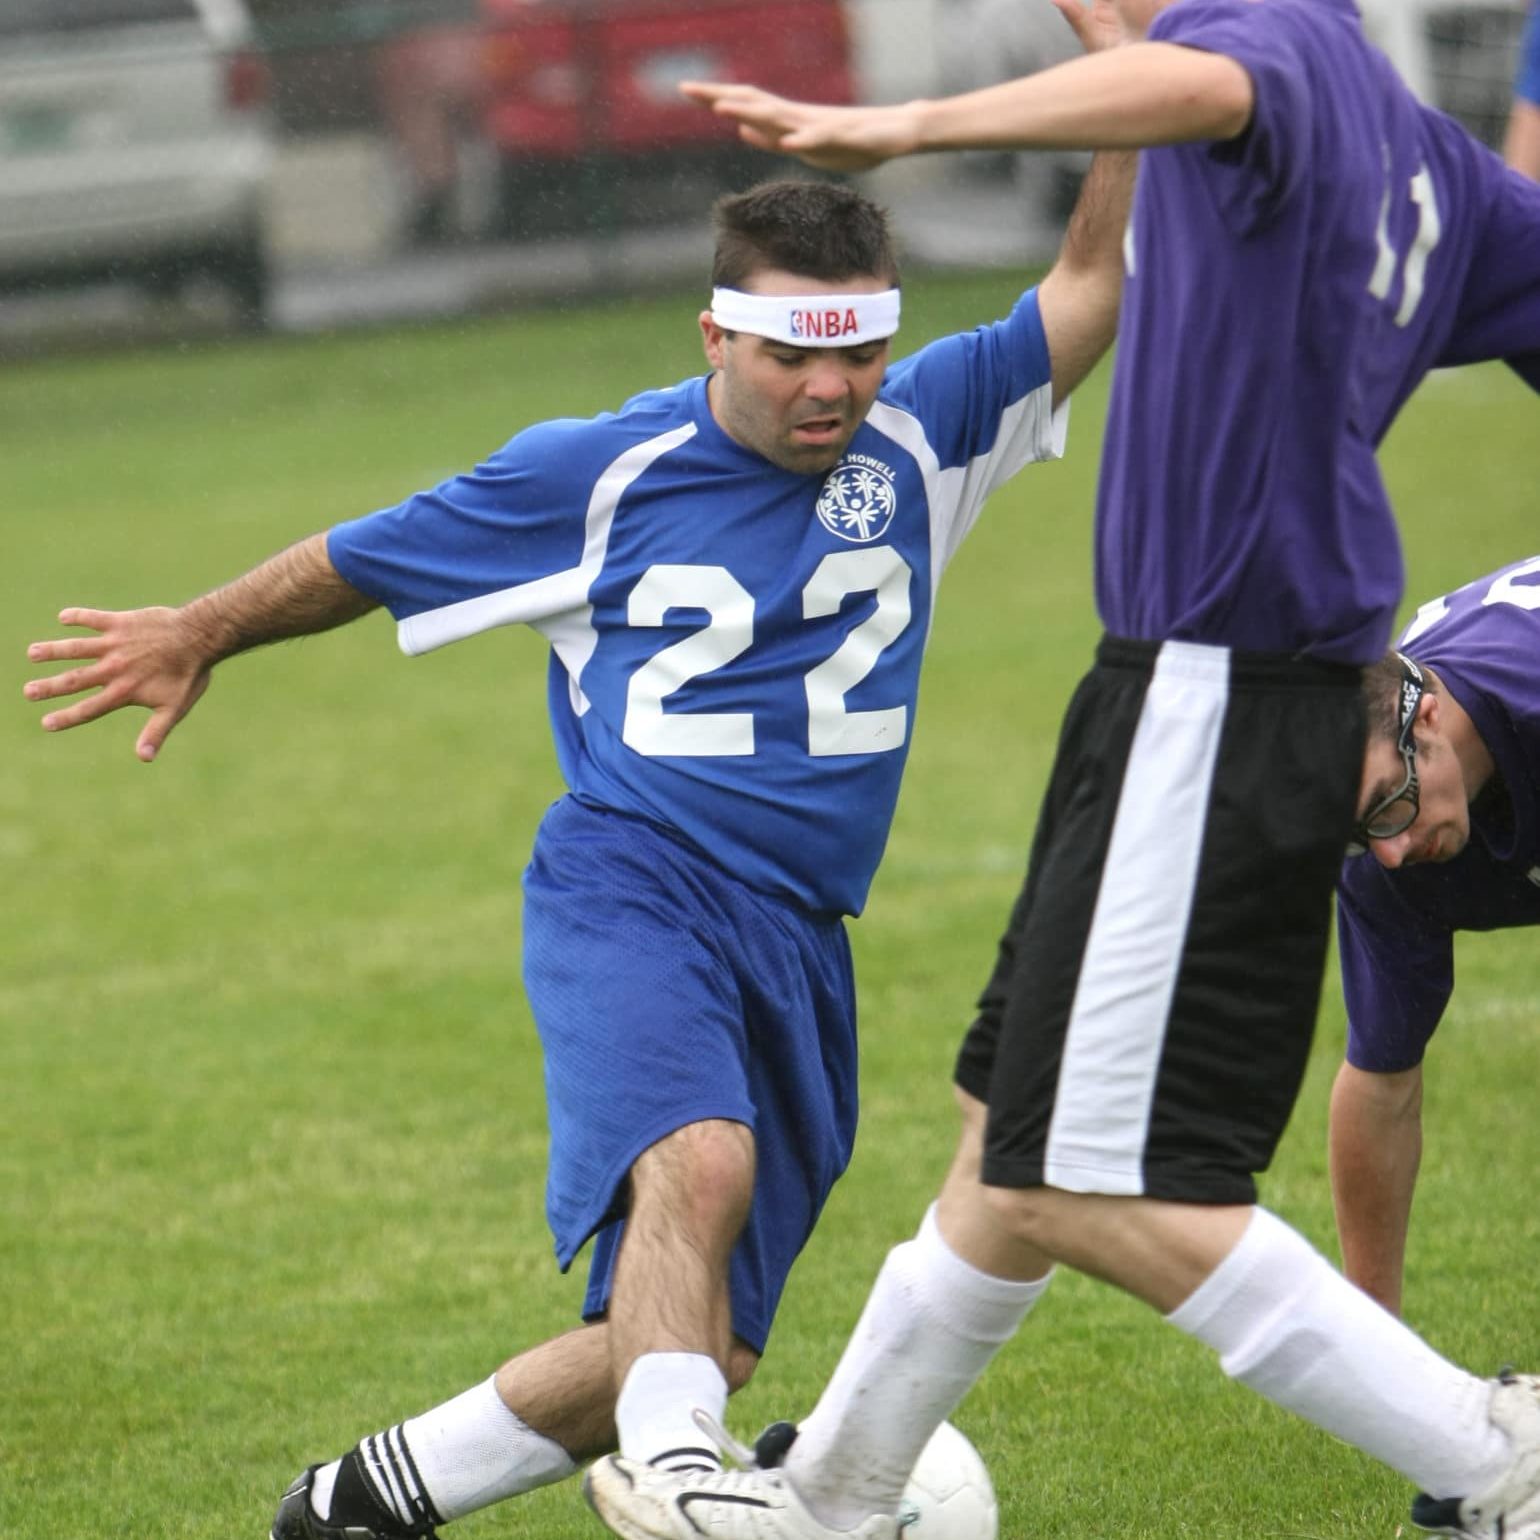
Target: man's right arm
column 162, row 658
column 1375, row 1148
column 1128, row 98
column 1397, row 961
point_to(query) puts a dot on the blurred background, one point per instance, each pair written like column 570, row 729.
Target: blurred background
column 186, row 166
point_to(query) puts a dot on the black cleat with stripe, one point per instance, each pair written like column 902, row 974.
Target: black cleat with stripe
column 296, row 1519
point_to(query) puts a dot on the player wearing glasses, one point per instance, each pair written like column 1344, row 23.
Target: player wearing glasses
column 1451, row 816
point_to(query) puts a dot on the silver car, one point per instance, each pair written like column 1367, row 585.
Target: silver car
column 135, row 143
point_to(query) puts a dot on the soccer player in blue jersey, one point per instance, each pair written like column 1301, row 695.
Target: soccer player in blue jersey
column 1521, row 145
column 736, row 576
column 1306, row 242
column 1450, row 815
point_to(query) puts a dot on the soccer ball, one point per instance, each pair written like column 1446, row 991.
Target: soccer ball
column 950, row 1495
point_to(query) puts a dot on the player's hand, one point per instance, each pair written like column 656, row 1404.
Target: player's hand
column 829, row 138
column 1096, row 24
column 136, row 658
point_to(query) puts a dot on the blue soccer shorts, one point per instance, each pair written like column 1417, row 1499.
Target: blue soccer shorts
column 665, row 992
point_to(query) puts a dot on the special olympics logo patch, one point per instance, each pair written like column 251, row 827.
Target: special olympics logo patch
column 858, row 500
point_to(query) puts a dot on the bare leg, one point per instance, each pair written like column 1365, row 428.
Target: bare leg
column 555, row 1405
column 966, row 1220
column 1158, row 1252
column 565, row 1389
column 690, row 1197
column 1281, row 1319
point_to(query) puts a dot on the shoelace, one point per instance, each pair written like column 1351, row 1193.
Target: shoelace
column 740, row 1454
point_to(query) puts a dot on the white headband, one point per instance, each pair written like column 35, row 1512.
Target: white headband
column 808, row 320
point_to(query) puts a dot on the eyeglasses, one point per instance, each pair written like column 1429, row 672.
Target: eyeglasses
column 1396, row 813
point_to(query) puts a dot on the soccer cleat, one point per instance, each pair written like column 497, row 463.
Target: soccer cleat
column 1510, row 1508
column 297, row 1520
column 640, row 1502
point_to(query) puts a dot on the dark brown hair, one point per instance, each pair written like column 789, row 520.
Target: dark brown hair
column 816, row 229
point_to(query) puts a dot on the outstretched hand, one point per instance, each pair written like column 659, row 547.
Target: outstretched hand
column 136, row 658
column 859, row 138
column 828, row 138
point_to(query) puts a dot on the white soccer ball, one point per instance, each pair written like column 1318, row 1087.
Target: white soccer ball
column 950, row 1495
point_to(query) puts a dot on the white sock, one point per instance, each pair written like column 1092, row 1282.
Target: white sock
column 929, row 1330
column 467, row 1453
column 1286, row 1323
column 472, row 1451
column 653, row 1415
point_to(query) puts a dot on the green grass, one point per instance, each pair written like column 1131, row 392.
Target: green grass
column 271, row 1154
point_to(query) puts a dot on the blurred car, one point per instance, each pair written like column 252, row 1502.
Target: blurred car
column 583, row 111
column 134, row 143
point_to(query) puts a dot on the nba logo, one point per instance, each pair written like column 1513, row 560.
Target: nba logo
column 823, row 325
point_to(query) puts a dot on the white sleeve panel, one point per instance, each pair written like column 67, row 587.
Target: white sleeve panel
column 1030, row 430
column 550, row 603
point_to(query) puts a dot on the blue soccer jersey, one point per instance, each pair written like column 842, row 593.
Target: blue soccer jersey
column 1396, row 929
column 735, row 648
column 1287, row 290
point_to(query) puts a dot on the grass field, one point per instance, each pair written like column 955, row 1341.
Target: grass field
column 271, row 1153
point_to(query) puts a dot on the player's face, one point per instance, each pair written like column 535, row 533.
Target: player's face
column 798, row 407
column 1442, row 825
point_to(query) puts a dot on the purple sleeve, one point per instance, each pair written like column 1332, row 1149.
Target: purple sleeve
column 1271, row 158
column 1500, row 304
column 1397, row 970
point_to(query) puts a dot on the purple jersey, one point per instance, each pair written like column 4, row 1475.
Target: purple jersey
column 1397, row 928
column 1287, row 291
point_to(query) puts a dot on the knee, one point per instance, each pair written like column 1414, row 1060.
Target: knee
column 702, row 1174
column 1027, row 1215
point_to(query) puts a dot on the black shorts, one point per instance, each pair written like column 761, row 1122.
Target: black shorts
column 1151, row 1009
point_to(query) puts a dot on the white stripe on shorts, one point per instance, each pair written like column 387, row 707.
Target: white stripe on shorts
column 1117, row 1024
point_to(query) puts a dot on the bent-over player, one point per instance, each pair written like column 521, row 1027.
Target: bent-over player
column 1450, row 813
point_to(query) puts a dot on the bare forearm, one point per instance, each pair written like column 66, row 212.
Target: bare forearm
column 1375, row 1150
column 1093, row 239
column 1080, row 298
column 1123, row 98
column 295, row 593
column 1521, row 146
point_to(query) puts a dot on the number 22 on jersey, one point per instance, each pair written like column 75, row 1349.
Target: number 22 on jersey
column 729, row 631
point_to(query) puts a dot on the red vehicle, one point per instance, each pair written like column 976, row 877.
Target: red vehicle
column 583, row 110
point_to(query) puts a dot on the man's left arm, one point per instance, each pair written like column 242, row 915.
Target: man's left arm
column 1080, row 297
